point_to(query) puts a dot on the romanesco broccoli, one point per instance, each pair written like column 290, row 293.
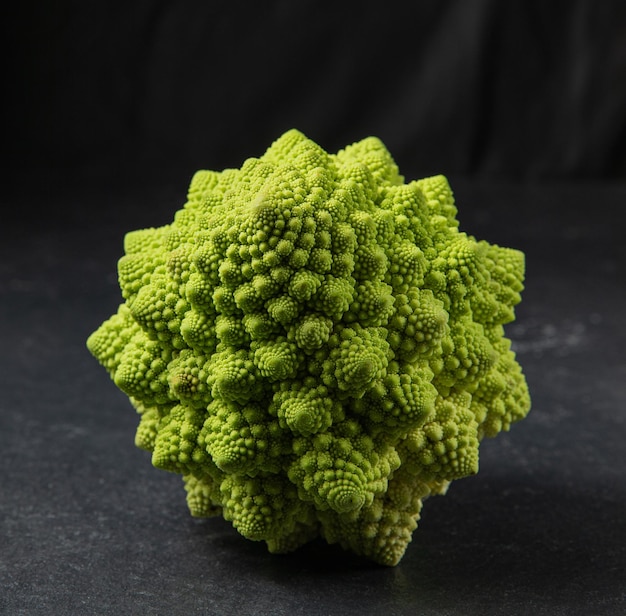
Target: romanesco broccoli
column 315, row 346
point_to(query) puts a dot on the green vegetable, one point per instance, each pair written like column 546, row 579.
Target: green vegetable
column 315, row 346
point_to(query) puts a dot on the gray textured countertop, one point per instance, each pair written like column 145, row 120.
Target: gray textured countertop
column 87, row 526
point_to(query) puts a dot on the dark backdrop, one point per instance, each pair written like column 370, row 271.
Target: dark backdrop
column 489, row 89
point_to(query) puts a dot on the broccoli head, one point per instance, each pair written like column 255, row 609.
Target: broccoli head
column 315, row 346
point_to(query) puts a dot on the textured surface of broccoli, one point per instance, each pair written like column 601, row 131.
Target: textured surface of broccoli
column 315, row 345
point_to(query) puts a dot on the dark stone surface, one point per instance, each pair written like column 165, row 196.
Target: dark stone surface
column 88, row 526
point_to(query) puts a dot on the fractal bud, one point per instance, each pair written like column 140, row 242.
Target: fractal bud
column 315, row 346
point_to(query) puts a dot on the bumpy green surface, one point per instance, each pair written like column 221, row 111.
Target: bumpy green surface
column 315, row 346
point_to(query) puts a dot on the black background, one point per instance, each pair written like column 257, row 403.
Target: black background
column 109, row 108
column 516, row 90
